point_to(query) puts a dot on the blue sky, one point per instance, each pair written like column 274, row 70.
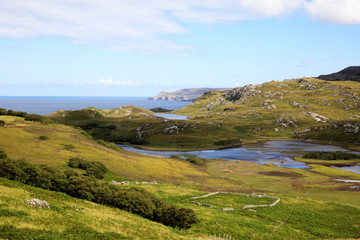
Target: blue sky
column 141, row 47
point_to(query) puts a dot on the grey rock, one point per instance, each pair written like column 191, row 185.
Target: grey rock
column 38, row 203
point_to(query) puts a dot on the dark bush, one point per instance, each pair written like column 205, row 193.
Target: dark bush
column 89, row 126
column 2, row 123
column 74, row 162
column 21, row 114
column 100, row 166
column 94, row 169
column 36, row 118
column 191, row 158
column 44, row 138
column 3, row 111
column 2, row 154
column 69, row 147
column 111, row 127
column 95, row 172
column 16, row 113
column 226, row 142
column 10, row 112
column 136, row 201
column 338, row 155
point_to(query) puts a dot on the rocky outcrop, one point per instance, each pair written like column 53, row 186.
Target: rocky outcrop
column 34, row 202
column 241, row 94
column 285, row 120
column 317, row 117
column 348, row 74
column 131, row 182
column 299, row 105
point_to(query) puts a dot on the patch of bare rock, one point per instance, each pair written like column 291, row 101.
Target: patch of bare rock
column 34, row 202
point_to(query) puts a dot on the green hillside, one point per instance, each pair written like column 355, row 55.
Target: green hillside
column 305, row 109
column 306, row 196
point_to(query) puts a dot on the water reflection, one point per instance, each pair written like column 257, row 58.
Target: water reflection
column 262, row 153
column 171, row 116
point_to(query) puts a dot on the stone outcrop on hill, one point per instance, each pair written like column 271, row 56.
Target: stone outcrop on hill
column 348, row 74
column 37, row 203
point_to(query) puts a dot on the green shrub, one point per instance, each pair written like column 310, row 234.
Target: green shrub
column 69, row 147
column 16, row 113
column 2, row 154
column 3, row 111
column 10, row 112
column 226, row 142
column 338, row 155
column 44, row 138
column 74, row 162
column 94, row 169
column 2, row 123
column 111, row 127
column 36, row 118
column 194, row 159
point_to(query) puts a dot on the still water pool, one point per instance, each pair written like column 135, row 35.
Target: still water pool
column 262, row 153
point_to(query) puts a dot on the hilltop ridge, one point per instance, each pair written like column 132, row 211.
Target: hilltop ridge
column 351, row 73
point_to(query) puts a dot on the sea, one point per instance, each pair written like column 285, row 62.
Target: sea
column 47, row 105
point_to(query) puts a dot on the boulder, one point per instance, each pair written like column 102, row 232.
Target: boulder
column 37, row 203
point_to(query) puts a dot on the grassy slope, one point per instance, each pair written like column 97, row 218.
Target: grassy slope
column 323, row 202
column 254, row 117
column 279, row 110
column 71, row 218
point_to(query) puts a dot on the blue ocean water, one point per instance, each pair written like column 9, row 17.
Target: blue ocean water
column 46, row 105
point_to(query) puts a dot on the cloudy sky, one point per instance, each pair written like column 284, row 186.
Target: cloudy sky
column 140, row 47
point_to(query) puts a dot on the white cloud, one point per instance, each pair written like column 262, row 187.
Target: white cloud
column 110, row 82
column 147, row 25
column 335, row 11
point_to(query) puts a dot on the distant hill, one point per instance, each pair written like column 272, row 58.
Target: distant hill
column 348, row 74
column 186, row 94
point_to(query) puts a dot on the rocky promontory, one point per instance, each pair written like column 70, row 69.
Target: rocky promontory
column 186, row 94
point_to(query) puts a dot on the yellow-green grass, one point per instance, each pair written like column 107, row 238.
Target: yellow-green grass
column 322, row 198
column 297, row 210
column 228, row 200
column 334, row 172
column 73, row 217
column 20, row 139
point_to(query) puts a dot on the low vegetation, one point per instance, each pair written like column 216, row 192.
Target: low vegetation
column 94, row 169
column 36, row 118
column 44, row 138
column 312, row 204
column 331, row 155
column 191, row 158
column 133, row 200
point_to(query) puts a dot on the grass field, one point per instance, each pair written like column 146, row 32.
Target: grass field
column 312, row 205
